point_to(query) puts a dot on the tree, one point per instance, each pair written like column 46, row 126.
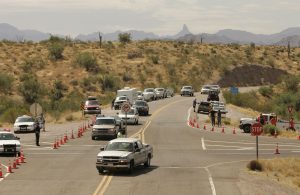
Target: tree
column 87, row 61
column 56, row 51
column 6, row 82
column 30, row 89
column 125, row 38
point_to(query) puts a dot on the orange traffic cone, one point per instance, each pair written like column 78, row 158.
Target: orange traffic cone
column 9, row 169
column 17, row 161
column 277, row 150
column 198, row 126
column 57, row 142
column 78, row 133
column 89, row 124
column 212, row 128
column 1, row 175
column 72, row 136
column 223, row 130
column 299, row 137
column 22, row 159
column 204, row 127
column 61, row 141
column 233, row 131
column 14, row 164
column 54, row 145
column 67, row 136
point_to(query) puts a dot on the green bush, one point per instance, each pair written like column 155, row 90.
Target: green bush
column 134, row 54
column 266, row 91
column 56, row 51
column 291, row 83
column 270, row 129
column 57, row 91
column 127, row 77
column 154, row 59
column 125, row 38
column 30, row 89
column 34, row 62
column 109, row 82
column 6, row 82
column 87, row 61
column 12, row 113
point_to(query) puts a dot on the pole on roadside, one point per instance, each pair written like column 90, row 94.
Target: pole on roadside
column 125, row 124
column 256, row 147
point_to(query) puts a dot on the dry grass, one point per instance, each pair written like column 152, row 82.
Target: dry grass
column 283, row 170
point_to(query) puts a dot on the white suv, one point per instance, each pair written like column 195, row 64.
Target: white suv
column 187, row 90
column 149, row 94
column 24, row 124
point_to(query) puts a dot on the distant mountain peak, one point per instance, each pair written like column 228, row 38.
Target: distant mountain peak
column 184, row 31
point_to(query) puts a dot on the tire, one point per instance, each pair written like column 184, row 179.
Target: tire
column 148, row 162
column 147, row 113
column 131, row 167
column 247, row 128
column 100, row 170
column 137, row 122
column 93, row 137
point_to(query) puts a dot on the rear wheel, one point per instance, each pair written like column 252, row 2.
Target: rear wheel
column 93, row 137
column 147, row 163
column 247, row 129
column 100, row 170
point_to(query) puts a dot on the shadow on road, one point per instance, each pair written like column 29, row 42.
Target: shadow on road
column 139, row 170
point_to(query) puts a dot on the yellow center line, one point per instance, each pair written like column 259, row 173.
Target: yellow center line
column 141, row 134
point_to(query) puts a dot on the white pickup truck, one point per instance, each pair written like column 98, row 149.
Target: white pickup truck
column 124, row 153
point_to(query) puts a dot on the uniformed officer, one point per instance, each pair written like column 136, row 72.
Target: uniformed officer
column 219, row 118
column 194, row 104
column 37, row 134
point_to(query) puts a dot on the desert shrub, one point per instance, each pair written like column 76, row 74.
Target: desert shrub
column 270, row 129
column 34, row 62
column 74, row 82
column 56, row 51
column 69, row 117
column 134, row 54
column 127, row 77
column 266, row 91
column 6, row 82
column 30, row 88
column 154, row 59
column 87, row 61
column 125, row 38
column 109, row 82
column 54, row 38
column 291, row 83
column 226, row 121
column 255, row 165
column 58, row 90
column 12, row 113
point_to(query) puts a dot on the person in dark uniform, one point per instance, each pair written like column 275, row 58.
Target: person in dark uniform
column 37, row 134
column 212, row 116
column 112, row 103
column 194, row 104
column 219, row 118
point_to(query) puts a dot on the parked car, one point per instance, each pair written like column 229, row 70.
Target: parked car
column 92, row 106
column 160, row 93
column 187, row 90
column 140, row 95
column 9, row 143
column 215, row 88
column 132, row 116
column 119, row 101
column 124, row 153
column 149, row 94
column 246, row 123
column 24, row 124
column 203, row 107
column 142, row 107
column 170, row 92
column 105, row 127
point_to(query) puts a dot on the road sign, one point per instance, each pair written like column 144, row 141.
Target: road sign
column 82, row 106
column 125, row 107
column 256, row 129
column 234, row 90
column 36, row 109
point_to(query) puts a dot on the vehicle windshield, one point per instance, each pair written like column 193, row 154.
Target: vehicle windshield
column 206, row 87
column 187, row 87
column 120, row 146
column 159, row 89
column 149, row 90
column 7, row 136
column 140, row 103
column 24, row 119
column 91, row 103
column 122, row 98
column 105, row 121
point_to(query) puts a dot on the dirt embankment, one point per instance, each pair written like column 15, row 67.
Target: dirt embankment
column 252, row 75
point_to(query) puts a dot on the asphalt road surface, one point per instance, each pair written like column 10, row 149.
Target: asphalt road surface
column 187, row 159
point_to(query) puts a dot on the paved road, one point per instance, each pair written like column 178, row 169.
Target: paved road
column 187, row 160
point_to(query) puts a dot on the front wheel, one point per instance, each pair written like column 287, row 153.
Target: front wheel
column 131, row 166
column 100, row 170
column 247, row 129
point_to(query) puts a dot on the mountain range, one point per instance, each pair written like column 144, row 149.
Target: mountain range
column 292, row 35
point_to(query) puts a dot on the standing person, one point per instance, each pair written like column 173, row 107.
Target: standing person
column 112, row 103
column 261, row 119
column 37, row 134
column 219, row 118
column 212, row 115
column 194, row 104
column 292, row 124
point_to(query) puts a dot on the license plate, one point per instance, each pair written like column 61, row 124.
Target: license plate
column 23, row 128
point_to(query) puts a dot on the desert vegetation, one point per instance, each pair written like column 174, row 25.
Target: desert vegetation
column 52, row 71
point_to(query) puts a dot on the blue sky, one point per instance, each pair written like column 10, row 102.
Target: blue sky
column 72, row 17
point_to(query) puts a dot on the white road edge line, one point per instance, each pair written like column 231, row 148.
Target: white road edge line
column 211, row 182
column 7, row 174
column 188, row 116
column 203, row 144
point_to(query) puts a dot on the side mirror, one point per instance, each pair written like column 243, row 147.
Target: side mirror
column 102, row 148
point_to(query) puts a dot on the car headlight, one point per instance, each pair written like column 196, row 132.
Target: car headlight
column 123, row 159
column 18, row 145
column 99, row 159
column 97, row 108
column 112, row 129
